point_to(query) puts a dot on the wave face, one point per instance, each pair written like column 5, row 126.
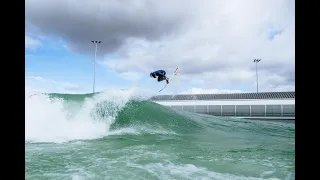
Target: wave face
column 120, row 135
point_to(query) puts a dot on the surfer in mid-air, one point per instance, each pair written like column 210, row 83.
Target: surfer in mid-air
column 161, row 74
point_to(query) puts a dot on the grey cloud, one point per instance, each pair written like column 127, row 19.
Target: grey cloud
column 195, row 68
column 112, row 22
column 289, row 75
column 284, row 70
column 219, row 39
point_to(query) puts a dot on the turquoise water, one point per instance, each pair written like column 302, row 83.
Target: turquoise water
column 117, row 136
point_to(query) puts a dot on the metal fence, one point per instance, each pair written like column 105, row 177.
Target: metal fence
column 283, row 110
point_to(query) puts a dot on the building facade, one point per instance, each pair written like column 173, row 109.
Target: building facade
column 264, row 105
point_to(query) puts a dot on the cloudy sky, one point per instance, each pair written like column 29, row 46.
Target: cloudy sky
column 213, row 42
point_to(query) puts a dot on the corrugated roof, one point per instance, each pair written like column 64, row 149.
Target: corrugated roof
column 261, row 95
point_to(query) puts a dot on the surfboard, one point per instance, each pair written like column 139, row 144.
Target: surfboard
column 174, row 74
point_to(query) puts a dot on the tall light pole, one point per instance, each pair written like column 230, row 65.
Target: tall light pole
column 94, row 63
column 256, row 61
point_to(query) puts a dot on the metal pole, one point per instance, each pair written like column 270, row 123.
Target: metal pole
column 94, row 68
column 94, row 65
column 257, row 77
column 256, row 61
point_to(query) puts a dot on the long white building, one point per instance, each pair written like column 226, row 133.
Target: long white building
column 264, row 105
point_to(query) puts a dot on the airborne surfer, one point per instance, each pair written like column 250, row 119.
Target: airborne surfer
column 161, row 74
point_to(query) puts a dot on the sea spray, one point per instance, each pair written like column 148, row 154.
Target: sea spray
column 54, row 119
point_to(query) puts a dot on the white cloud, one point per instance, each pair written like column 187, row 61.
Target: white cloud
column 48, row 85
column 219, row 47
column 214, row 44
column 132, row 76
column 31, row 43
column 41, row 84
column 210, row 91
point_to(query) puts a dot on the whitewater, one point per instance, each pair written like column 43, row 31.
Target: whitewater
column 119, row 134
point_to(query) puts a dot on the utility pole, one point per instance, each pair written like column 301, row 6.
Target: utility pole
column 256, row 61
column 94, row 63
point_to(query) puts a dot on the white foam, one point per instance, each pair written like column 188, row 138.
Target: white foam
column 77, row 177
column 188, row 171
column 141, row 130
column 48, row 121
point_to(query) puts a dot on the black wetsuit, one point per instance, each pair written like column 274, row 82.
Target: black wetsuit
column 161, row 75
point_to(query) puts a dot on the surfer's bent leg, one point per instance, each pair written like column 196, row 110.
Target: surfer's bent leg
column 161, row 78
